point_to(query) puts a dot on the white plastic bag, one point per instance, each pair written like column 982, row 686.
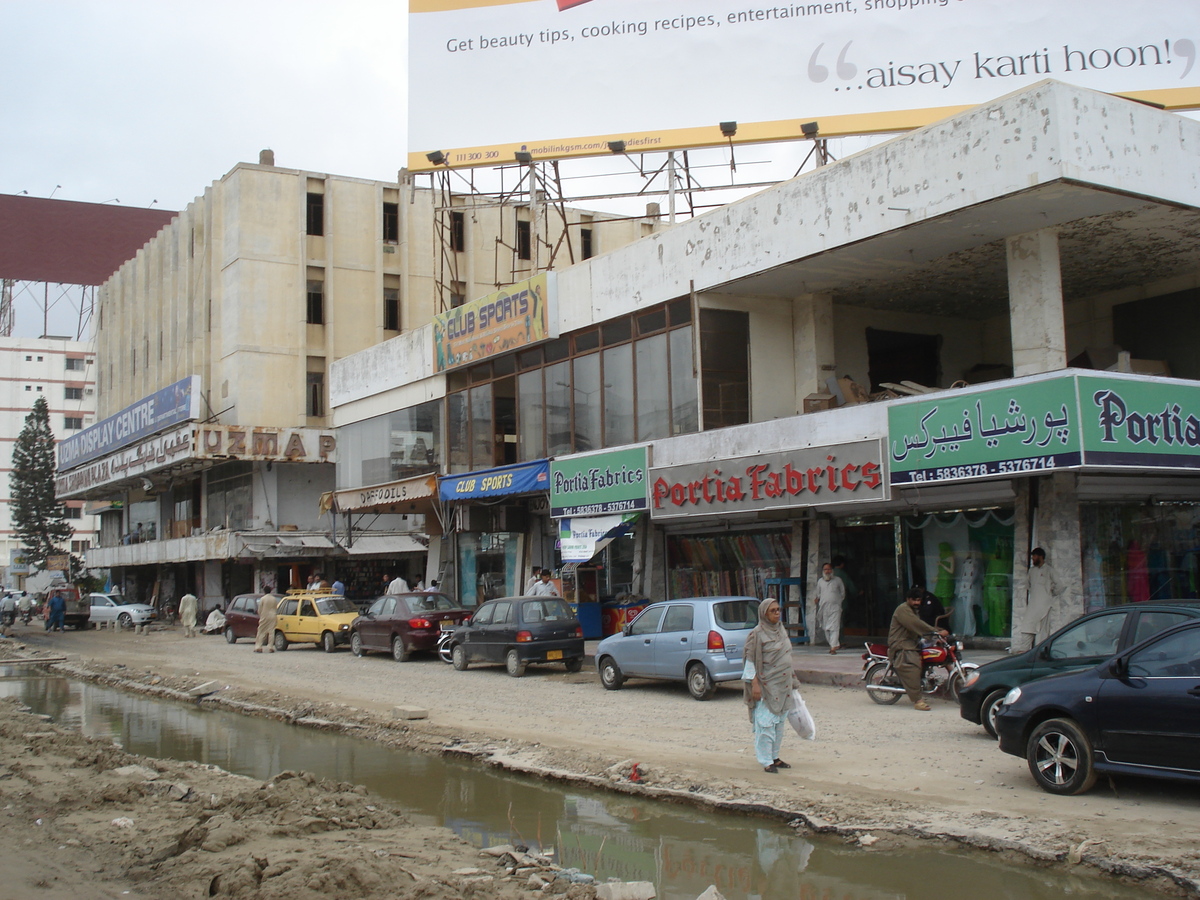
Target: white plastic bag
column 801, row 719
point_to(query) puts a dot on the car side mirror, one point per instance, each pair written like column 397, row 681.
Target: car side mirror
column 626, row 630
column 1044, row 652
column 1116, row 667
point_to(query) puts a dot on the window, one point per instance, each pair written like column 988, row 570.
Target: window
column 315, row 395
column 40, row 359
column 1092, row 638
column 391, row 223
column 458, row 232
column 72, row 423
column 586, row 248
column 39, row 388
column 1175, row 656
column 230, row 496
column 80, row 546
column 647, row 622
column 74, row 393
column 29, row 359
column 458, row 294
column 725, row 358
column 74, row 364
column 74, row 512
column 316, row 302
column 524, row 241
column 678, row 618
column 315, row 218
column 391, row 309
column 29, row 387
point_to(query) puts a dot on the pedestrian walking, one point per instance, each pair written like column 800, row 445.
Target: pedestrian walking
column 831, row 594
column 187, row 614
column 768, row 680
column 265, row 636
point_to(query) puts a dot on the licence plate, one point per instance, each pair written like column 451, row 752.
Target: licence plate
column 446, row 625
column 553, row 654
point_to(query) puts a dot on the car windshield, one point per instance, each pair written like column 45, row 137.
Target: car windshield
column 430, row 602
column 548, row 610
column 327, row 606
column 736, row 615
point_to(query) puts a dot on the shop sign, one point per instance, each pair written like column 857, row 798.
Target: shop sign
column 599, row 484
column 423, row 487
column 156, row 453
column 179, row 402
column 1128, row 422
column 579, row 539
column 58, row 562
column 505, row 320
column 525, row 478
column 814, row 476
column 18, row 562
column 1021, row 428
column 266, row 444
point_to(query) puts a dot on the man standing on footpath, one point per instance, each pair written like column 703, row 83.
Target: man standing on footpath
column 907, row 628
column 265, row 637
column 398, row 585
column 1043, row 589
column 544, row 587
column 187, row 614
column 831, row 593
column 57, row 608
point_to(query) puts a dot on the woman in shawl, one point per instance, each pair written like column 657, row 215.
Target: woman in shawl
column 767, row 683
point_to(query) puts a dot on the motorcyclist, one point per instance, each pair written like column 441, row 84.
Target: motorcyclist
column 25, row 605
column 8, row 610
column 906, row 629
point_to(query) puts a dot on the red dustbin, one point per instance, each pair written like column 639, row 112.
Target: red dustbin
column 615, row 615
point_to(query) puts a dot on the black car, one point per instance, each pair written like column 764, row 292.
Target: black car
column 1084, row 643
column 1136, row 714
column 517, row 631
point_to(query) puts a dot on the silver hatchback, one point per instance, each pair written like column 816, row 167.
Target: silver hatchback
column 698, row 641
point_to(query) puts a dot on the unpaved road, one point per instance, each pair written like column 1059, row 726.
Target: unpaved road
column 871, row 768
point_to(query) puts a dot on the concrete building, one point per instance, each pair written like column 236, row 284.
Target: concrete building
column 214, row 344
column 63, row 372
column 975, row 279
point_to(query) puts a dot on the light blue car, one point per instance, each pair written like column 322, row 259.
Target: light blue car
column 697, row 640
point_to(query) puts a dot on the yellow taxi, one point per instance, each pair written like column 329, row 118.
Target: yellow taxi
column 314, row 617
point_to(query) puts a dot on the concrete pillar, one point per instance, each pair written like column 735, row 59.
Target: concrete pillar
column 812, row 337
column 1035, row 304
column 818, row 554
column 1057, row 530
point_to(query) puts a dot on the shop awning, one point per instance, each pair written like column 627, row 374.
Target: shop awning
column 283, row 546
column 385, row 544
column 505, row 481
column 582, row 537
column 409, row 495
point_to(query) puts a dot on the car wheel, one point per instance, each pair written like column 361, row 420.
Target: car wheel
column 124, row 620
column 874, row 679
column 574, row 665
column 400, row 651
column 281, row 643
column 230, row 637
column 328, row 642
column 610, row 674
column 988, row 710
column 459, row 657
column 699, row 682
column 356, row 646
column 1060, row 757
column 513, row 664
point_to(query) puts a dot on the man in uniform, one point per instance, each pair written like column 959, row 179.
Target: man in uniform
column 907, row 628
column 265, row 637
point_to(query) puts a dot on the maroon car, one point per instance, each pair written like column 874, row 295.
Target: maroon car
column 241, row 617
column 404, row 623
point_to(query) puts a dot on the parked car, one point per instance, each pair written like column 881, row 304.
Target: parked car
column 402, row 624
column 113, row 608
column 241, row 617
column 79, row 609
column 699, row 641
column 1082, row 644
column 1136, row 714
column 518, row 631
column 314, row 617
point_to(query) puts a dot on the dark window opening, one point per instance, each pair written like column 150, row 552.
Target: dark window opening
column 316, row 303
column 315, row 398
column 391, row 309
column 725, row 367
column 586, row 248
column 72, row 423
column 524, row 241
column 458, row 232
column 315, row 219
column 896, row 356
column 391, row 222
column 74, row 393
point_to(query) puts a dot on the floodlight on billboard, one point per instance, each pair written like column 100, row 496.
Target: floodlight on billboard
column 565, row 78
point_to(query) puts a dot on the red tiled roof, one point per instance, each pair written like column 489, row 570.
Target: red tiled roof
column 65, row 242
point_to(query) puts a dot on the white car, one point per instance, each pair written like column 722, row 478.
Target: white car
column 115, row 608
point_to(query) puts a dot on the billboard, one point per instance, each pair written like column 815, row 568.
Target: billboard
column 512, row 317
column 561, row 78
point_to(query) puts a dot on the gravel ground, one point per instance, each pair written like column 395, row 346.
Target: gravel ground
column 872, row 768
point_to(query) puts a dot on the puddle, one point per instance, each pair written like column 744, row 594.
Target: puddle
column 681, row 849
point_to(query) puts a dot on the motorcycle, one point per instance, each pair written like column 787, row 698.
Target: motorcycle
column 445, row 643
column 27, row 615
column 942, row 669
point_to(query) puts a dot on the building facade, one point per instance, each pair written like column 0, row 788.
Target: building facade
column 213, row 348
column 781, row 363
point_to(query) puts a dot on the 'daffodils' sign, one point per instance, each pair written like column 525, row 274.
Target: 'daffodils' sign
column 599, row 484
column 502, row 321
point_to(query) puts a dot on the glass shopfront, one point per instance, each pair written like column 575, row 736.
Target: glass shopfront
column 714, row 565
column 488, row 566
column 965, row 559
column 1134, row 553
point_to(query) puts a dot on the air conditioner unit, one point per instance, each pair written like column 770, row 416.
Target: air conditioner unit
column 89, row 391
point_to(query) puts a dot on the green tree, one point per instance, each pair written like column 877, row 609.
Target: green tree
column 38, row 518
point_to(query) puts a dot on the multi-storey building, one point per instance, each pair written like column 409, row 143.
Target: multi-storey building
column 62, row 371
column 213, row 350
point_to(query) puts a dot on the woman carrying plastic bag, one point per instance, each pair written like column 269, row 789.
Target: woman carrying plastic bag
column 769, row 685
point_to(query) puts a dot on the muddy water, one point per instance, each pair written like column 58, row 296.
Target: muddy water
column 681, row 850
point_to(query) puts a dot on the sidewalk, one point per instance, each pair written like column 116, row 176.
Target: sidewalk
column 816, row 665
